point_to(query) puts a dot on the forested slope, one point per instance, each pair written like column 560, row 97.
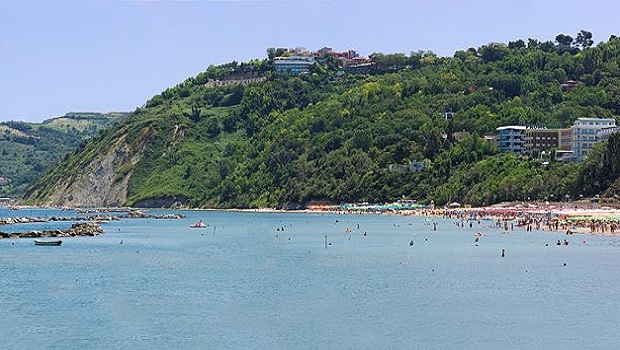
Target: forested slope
column 28, row 149
column 331, row 136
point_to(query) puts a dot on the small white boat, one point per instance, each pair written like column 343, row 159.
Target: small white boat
column 199, row 224
column 41, row 242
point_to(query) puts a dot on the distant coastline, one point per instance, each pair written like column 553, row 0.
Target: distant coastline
column 569, row 217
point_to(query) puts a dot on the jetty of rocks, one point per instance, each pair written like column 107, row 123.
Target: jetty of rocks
column 85, row 226
column 134, row 214
column 77, row 229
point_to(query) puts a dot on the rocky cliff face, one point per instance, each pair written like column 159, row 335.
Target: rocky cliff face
column 100, row 183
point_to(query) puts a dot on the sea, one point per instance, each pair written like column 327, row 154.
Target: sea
column 256, row 280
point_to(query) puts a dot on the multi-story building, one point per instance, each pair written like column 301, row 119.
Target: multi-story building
column 587, row 132
column 298, row 60
column 511, row 139
column 572, row 143
column 565, row 139
column 293, row 65
column 358, row 65
column 538, row 140
column 605, row 133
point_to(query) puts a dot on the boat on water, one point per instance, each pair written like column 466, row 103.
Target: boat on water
column 199, row 224
column 42, row 242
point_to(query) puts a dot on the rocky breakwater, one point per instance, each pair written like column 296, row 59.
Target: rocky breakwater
column 85, row 226
column 78, row 229
column 133, row 214
column 28, row 220
column 139, row 214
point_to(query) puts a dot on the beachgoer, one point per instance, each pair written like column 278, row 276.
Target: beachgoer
column 503, row 253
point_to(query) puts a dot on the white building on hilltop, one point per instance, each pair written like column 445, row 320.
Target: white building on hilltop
column 293, row 65
column 587, row 132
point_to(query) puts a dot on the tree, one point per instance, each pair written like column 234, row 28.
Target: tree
column 547, row 46
column 195, row 114
column 565, row 42
column 584, row 39
column 613, row 156
column 493, row 52
column 271, row 53
column 518, row 44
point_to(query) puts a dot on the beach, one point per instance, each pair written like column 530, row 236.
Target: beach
column 569, row 217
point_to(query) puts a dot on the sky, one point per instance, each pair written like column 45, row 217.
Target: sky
column 76, row 56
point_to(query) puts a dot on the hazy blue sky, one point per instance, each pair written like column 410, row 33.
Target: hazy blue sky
column 61, row 56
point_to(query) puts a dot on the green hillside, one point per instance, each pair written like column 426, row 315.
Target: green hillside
column 28, row 149
column 331, row 136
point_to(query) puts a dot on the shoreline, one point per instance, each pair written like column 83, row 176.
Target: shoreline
column 576, row 218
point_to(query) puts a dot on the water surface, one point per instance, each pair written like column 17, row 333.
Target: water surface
column 266, row 281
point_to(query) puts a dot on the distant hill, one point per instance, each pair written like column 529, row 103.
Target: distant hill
column 28, row 149
column 333, row 136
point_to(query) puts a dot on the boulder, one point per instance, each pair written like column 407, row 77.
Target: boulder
column 85, row 229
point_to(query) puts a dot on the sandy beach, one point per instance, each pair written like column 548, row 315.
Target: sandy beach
column 569, row 217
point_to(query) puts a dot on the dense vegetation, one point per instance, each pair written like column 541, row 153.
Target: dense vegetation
column 330, row 136
column 28, row 149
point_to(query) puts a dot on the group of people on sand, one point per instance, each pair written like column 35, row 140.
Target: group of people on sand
column 539, row 220
column 603, row 227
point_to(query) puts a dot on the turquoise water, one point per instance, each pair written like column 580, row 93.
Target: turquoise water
column 241, row 284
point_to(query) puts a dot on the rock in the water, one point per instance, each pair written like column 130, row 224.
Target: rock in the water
column 85, row 229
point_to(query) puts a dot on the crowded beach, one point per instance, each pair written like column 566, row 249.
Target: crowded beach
column 568, row 217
